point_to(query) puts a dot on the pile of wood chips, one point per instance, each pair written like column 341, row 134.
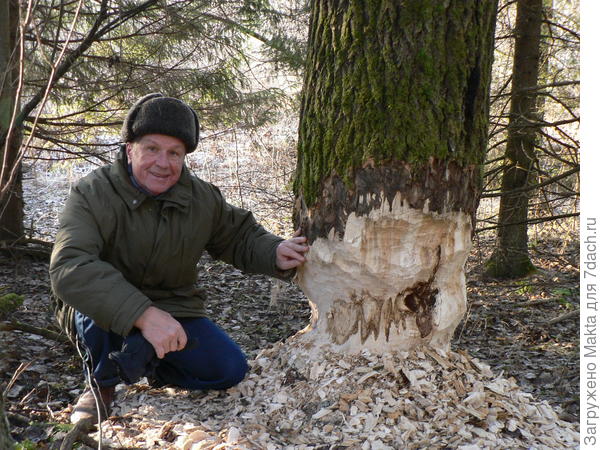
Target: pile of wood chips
column 421, row 399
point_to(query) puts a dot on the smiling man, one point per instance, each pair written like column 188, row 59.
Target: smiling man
column 157, row 163
column 123, row 267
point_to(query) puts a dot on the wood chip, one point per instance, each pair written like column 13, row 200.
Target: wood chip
column 289, row 400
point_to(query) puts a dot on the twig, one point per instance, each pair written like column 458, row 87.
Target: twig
column 534, row 302
column 528, row 221
column 22, row 367
column 93, row 443
column 562, row 317
column 17, row 418
column 80, row 429
column 40, row 249
column 533, row 186
column 12, row 325
column 79, row 433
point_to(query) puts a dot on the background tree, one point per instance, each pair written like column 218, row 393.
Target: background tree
column 511, row 256
column 393, row 130
column 5, row 439
column 533, row 161
column 82, row 64
column 11, row 198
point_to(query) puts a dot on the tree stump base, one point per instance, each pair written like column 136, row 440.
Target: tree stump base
column 394, row 281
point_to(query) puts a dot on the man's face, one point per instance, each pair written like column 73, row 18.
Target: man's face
column 156, row 160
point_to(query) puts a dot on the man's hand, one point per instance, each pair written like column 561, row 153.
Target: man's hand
column 290, row 253
column 162, row 331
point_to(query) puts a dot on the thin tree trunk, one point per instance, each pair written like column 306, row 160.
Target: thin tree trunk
column 11, row 201
column 5, row 439
column 11, row 204
column 392, row 133
column 511, row 256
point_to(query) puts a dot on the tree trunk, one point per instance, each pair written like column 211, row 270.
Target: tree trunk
column 5, row 439
column 511, row 256
column 11, row 192
column 393, row 130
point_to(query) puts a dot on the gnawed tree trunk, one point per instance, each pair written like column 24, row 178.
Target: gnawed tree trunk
column 392, row 133
column 11, row 195
column 511, row 255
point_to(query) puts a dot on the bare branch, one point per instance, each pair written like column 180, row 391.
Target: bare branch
column 562, row 317
column 20, row 326
column 533, row 186
column 529, row 221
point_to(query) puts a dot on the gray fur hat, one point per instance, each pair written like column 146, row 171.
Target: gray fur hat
column 157, row 114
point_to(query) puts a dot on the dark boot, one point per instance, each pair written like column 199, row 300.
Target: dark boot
column 85, row 408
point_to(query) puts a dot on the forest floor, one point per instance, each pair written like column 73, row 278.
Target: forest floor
column 507, row 326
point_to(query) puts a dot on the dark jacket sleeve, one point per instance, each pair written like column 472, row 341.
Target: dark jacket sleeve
column 80, row 278
column 239, row 240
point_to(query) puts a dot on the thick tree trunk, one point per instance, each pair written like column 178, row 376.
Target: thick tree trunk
column 392, row 132
column 511, row 256
column 11, row 196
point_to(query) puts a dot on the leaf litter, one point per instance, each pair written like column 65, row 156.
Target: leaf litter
column 409, row 400
column 418, row 399
column 421, row 399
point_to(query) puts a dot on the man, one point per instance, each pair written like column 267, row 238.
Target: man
column 123, row 267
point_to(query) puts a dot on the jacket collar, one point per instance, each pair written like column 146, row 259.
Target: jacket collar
column 179, row 196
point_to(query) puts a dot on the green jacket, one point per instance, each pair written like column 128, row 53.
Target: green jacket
column 118, row 251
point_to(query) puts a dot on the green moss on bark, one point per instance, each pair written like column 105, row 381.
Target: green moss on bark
column 508, row 266
column 393, row 81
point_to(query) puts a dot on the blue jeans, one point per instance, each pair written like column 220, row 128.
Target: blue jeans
column 216, row 363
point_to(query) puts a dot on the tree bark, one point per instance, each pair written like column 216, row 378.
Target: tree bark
column 5, row 47
column 11, row 204
column 393, row 130
column 6, row 441
column 511, row 255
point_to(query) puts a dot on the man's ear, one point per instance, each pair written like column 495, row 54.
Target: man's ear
column 128, row 150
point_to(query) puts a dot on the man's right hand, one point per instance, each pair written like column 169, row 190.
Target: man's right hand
column 162, row 331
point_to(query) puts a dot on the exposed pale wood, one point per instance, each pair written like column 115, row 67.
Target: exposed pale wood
column 394, row 281
column 415, row 399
